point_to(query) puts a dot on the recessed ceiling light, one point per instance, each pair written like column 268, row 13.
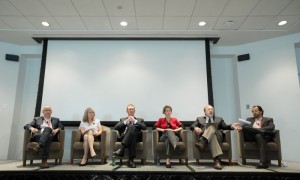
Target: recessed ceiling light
column 202, row 23
column 281, row 23
column 123, row 23
column 44, row 23
column 229, row 23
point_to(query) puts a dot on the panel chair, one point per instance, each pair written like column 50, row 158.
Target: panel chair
column 141, row 147
column 56, row 148
column 159, row 148
column 101, row 145
column 249, row 150
column 206, row 153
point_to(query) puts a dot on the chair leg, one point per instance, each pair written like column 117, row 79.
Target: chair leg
column 186, row 161
column 121, row 161
column 60, row 161
column 279, row 163
column 31, row 161
column 197, row 161
column 229, row 162
column 55, row 161
column 72, row 161
column 103, row 161
column 180, row 161
column 244, row 161
column 24, row 163
column 143, row 161
column 154, row 161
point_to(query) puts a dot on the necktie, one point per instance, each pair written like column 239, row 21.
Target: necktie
column 209, row 120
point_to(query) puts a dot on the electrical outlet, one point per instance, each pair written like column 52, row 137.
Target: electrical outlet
column 247, row 106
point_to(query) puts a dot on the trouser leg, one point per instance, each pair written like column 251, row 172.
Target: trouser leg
column 261, row 143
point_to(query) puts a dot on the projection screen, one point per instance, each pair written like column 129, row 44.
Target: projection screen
column 107, row 75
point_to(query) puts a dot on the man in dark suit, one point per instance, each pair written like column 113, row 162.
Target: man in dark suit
column 45, row 130
column 209, row 130
column 261, row 130
column 130, row 132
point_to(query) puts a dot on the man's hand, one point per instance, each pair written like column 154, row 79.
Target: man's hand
column 33, row 130
column 55, row 131
column 198, row 130
column 236, row 126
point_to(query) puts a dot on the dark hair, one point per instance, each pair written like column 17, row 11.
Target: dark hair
column 259, row 108
column 167, row 106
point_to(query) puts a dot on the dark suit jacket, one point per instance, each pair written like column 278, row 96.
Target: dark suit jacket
column 267, row 124
column 121, row 127
column 201, row 121
column 38, row 121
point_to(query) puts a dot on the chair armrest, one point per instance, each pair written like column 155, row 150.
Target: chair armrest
column 27, row 138
column 227, row 136
column 105, row 140
column 183, row 135
column 277, row 141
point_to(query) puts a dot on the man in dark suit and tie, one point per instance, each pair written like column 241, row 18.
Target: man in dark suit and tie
column 130, row 132
column 261, row 130
column 209, row 129
column 45, row 130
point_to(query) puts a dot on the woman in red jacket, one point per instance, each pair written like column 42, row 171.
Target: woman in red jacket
column 169, row 129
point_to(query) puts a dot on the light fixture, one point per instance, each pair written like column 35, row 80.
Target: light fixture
column 202, row 23
column 281, row 23
column 229, row 23
column 123, row 23
column 45, row 23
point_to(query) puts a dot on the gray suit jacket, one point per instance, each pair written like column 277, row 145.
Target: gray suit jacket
column 267, row 124
column 38, row 121
column 219, row 121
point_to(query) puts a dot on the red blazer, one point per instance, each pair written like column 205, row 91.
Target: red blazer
column 163, row 123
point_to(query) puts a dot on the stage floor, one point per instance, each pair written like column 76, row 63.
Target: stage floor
column 204, row 166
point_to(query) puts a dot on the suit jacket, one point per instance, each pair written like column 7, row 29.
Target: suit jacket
column 121, row 127
column 267, row 124
column 38, row 121
column 201, row 121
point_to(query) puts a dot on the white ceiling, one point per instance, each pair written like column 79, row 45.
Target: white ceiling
column 255, row 20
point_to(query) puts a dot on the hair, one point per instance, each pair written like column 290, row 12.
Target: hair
column 259, row 108
column 85, row 115
column 206, row 107
column 129, row 106
column 165, row 108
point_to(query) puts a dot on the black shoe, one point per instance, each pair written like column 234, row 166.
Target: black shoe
column 262, row 166
column 84, row 163
column 119, row 153
column 94, row 157
column 168, row 165
column 131, row 164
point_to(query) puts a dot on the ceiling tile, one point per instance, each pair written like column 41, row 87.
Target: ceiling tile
column 17, row 22
column 239, row 7
column 115, row 22
column 292, row 9
column 60, row 8
column 71, row 23
column 269, row 7
column 210, row 22
column 209, row 7
column 179, row 7
column 97, row 23
column 150, row 23
column 291, row 21
column 90, row 7
column 30, row 7
column 6, row 8
column 149, row 8
column 176, row 23
column 122, row 8
column 222, row 25
column 37, row 22
column 256, row 23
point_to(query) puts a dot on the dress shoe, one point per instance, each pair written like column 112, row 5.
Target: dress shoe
column 217, row 165
column 44, row 164
column 131, row 164
column 94, row 157
column 168, row 165
column 119, row 153
column 83, row 164
column 262, row 166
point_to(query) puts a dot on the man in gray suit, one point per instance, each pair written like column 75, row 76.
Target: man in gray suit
column 130, row 132
column 45, row 130
column 209, row 130
column 261, row 130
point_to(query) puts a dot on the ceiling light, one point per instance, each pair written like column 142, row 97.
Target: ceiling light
column 229, row 23
column 281, row 23
column 123, row 23
column 44, row 23
column 202, row 23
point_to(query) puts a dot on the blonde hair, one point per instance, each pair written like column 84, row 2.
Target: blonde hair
column 85, row 115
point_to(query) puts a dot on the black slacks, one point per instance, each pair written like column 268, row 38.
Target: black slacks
column 44, row 139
